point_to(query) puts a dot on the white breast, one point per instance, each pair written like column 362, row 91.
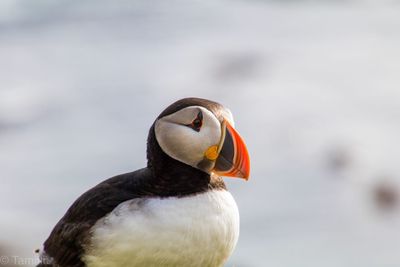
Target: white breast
column 197, row 231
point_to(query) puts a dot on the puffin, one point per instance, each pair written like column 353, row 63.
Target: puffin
column 174, row 212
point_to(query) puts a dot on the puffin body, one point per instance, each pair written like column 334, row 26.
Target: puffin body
column 198, row 231
column 175, row 212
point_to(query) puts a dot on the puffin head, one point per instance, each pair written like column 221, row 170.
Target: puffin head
column 200, row 133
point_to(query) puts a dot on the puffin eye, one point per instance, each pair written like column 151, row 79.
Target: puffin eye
column 197, row 122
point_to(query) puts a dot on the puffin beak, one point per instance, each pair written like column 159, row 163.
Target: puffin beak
column 233, row 158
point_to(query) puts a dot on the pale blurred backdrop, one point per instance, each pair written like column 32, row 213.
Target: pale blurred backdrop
column 314, row 87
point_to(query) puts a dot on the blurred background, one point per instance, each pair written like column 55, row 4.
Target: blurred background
column 313, row 86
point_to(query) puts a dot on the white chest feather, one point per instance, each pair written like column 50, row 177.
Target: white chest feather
column 197, row 231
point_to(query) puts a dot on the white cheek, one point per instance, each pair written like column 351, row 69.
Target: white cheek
column 185, row 144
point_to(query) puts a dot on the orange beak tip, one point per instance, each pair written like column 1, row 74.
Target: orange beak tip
column 241, row 163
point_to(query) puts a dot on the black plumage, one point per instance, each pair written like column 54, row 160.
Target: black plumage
column 163, row 177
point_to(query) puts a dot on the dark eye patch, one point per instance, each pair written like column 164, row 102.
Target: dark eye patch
column 197, row 122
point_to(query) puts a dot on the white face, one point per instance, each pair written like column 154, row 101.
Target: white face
column 179, row 137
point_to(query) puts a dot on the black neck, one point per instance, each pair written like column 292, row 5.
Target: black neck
column 174, row 177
